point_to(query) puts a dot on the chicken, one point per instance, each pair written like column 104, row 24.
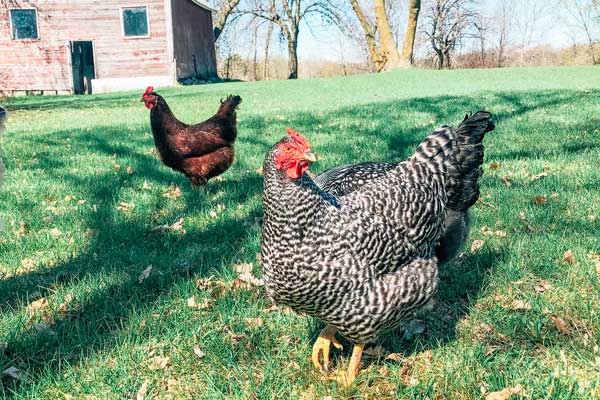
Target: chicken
column 364, row 262
column 200, row 151
column 343, row 180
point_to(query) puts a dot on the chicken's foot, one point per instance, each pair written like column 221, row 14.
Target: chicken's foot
column 323, row 345
column 347, row 377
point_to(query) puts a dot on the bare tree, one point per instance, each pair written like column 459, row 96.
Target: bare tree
column 504, row 26
column 481, row 30
column 379, row 36
column 226, row 10
column 288, row 14
column 582, row 14
column 448, row 23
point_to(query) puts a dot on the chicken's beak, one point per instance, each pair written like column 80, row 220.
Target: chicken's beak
column 310, row 156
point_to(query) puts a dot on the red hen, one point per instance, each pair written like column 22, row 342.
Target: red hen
column 201, row 151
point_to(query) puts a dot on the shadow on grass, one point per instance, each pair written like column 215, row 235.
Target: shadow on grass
column 119, row 251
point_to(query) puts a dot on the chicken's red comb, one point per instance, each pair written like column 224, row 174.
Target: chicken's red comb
column 298, row 138
column 149, row 90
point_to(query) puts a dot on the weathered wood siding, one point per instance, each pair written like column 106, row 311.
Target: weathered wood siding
column 193, row 35
column 45, row 64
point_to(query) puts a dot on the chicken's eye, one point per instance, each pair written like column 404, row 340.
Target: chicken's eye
column 287, row 149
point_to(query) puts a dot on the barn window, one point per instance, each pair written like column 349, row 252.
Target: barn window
column 24, row 24
column 135, row 21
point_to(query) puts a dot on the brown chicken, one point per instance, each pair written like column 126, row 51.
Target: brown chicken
column 201, row 151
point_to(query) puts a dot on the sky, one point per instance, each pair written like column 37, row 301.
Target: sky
column 535, row 21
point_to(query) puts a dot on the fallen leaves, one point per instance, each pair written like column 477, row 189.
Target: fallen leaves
column 37, row 305
column 125, row 207
column 540, row 200
column 205, row 304
column 198, row 352
column 504, row 394
column 506, row 180
column 55, row 232
column 520, row 305
column 541, row 286
column 143, row 391
column 568, row 257
column 172, row 193
column 485, row 231
column 175, row 227
column 145, row 274
column 539, row 176
column 254, row 322
column 494, row 165
column 476, row 246
column 560, row 324
column 160, row 362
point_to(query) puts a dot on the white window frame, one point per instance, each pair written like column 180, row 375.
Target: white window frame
column 128, row 7
column 37, row 22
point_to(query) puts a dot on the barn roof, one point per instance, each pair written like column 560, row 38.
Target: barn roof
column 204, row 5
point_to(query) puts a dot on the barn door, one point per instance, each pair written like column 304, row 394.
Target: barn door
column 82, row 60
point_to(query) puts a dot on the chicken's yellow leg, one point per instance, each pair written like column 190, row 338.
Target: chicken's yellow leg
column 323, row 345
column 346, row 378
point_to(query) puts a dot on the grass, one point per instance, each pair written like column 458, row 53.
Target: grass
column 68, row 239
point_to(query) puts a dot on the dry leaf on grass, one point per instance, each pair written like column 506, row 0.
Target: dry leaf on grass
column 259, row 170
column 206, row 303
column 494, row 165
column 145, row 274
column 476, row 245
column 129, row 171
column 541, row 286
column 568, row 257
column 55, row 232
column 176, row 227
column 485, row 231
column 504, row 394
column 271, row 308
column 172, row 193
column 540, row 200
column 254, row 322
column 198, row 352
column 506, row 180
column 27, row 264
column 125, row 207
column 142, row 391
column 160, row 362
column 560, row 324
column 23, row 229
column 13, row 372
column 539, row 176
column 394, row 357
column 37, row 305
column 520, row 305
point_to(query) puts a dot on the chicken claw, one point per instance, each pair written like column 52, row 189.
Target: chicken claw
column 323, row 345
column 346, row 378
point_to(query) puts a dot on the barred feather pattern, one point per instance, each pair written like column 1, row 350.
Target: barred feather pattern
column 343, row 180
column 364, row 262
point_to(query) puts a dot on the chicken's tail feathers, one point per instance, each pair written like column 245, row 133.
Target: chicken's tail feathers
column 458, row 153
column 464, row 169
column 228, row 106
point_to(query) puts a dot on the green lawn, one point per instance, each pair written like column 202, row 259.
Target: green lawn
column 84, row 190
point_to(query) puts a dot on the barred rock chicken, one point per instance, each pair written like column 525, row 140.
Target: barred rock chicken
column 364, row 262
column 201, row 151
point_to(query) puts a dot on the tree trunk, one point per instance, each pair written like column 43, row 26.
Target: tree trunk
column 267, row 44
column 440, row 56
column 293, row 57
column 406, row 58
column 374, row 54
column 388, row 46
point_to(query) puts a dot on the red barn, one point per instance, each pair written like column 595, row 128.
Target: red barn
column 85, row 46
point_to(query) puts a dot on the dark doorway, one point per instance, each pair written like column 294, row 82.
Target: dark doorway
column 82, row 59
